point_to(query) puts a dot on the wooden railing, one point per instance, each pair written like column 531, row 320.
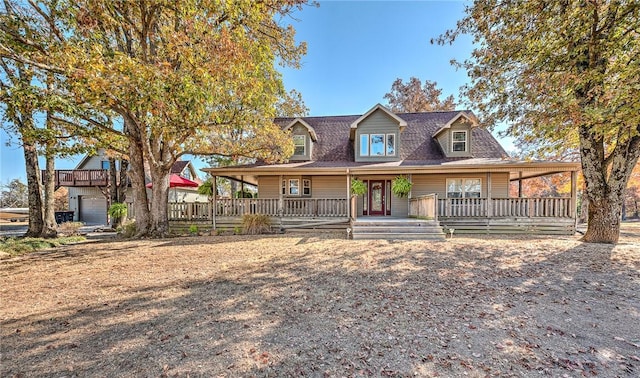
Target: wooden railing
column 79, row 177
column 505, row 207
column 237, row 207
column 424, row 206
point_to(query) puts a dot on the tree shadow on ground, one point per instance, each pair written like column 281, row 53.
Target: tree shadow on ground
column 349, row 308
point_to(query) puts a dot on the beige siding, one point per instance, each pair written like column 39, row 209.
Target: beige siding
column 321, row 186
column 269, row 187
column 378, row 123
column 399, row 206
column 329, row 187
column 437, row 183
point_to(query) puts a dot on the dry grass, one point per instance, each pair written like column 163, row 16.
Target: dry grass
column 317, row 305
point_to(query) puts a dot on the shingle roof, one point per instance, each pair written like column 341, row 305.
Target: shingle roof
column 417, row 145
column 178, row 166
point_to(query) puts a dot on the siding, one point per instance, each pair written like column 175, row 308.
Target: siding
column 378, row 123
column 94, row 162
column 321, row 186
column 437, row 183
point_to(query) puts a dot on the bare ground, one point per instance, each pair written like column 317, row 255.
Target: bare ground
column 318, row 305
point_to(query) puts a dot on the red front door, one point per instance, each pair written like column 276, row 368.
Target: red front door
column 376, row 198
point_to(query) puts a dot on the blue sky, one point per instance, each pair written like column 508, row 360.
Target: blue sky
column 356, row 49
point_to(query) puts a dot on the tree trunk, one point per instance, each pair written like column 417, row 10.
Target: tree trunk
column 49, row 229
column 604, row 221
column 123, row 182
column 160, row 202
column 36, row 221
column 137, row 177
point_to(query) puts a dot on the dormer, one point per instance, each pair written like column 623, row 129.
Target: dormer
column 455, row 136
column 376, row 135
column 303, row 136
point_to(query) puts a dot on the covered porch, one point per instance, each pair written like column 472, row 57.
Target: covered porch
column 328, row 203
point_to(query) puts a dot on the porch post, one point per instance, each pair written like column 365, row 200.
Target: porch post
column 214, row 204
column 520, row 184
column 349, row 214
column 489, row 203
column 280, row 198
column 574, row 195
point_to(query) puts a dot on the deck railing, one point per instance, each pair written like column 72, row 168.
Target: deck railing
column 505, row 207
column 237, row 207
column 79, row 177
column 424, row 206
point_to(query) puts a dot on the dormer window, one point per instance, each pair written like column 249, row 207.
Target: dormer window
column 299, row 143
column 459, row 141
column 377, row 144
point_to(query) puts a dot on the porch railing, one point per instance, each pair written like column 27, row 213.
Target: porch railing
column 505, row 207
column 237, row 207
column 424, row 206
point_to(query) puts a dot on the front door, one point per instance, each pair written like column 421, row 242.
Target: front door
column 376, row 198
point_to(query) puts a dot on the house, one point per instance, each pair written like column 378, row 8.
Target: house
column 460, row 176
column 88, row 185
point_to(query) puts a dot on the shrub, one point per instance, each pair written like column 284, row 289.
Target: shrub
column 118, row 213
column 193, row 229
column 254, row 224
column 17, row 246
column 70, row 228
column 128, row 229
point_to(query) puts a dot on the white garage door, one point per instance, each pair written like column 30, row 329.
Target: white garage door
column 93, row 210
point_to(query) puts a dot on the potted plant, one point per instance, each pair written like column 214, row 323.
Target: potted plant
column 118, row 214
column 401, row 186
column 358, row 187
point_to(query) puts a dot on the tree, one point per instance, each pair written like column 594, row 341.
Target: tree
column 192, row 77
column 563, row 74
column 414, row 97
column 14, row 194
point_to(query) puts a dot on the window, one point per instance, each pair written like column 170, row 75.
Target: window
column 377, row 144
column 294, row 187
column 391, row 144
column 299, row 144
column 467, row 188
column 291, row 186
column 105, row 164
column 364, row 144
column 459, row 141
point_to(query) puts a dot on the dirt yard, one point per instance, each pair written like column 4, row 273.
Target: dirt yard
column 318, row 305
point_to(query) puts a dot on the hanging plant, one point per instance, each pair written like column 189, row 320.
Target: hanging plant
column 401, row 186
column 358, row 187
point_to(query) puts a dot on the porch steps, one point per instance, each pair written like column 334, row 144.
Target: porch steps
column 390, row 228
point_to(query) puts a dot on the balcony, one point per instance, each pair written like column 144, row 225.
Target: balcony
column 80, row 177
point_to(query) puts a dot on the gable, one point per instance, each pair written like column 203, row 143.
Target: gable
column 455, row 138
column 303, row 136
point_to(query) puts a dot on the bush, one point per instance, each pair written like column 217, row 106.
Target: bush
column 17, row 246
column 127, row 230
column 254, row 224
column 70, row 228
column 193, row 229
